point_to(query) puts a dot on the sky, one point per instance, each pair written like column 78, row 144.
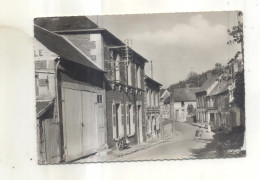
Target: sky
column 176, row 43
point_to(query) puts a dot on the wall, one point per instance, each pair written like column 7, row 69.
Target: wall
column 181, row 112
column 44, row 71
column 91, row 45
column 122, row 97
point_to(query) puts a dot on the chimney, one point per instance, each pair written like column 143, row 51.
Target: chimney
column 209, row 74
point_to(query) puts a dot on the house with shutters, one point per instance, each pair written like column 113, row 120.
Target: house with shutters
column 70, row 91
column 152, row 107
column 124, row 82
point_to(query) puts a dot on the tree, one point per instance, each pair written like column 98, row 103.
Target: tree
column 190, row 109
column 237, row 34
column 239, row 91
column 192, row 74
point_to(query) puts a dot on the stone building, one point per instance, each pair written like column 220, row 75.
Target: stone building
column 152, row 107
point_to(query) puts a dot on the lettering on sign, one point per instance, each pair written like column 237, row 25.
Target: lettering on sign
column 38, row 53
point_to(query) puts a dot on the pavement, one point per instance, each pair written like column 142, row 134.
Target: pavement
column 179, row 145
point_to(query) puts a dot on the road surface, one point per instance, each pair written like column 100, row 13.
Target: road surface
column 177, row 147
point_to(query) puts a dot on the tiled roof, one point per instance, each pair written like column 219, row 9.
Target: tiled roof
column 221, row 87
column 207, row 83
column 184, row 94
column 69, row 24
column 65, row 23
column 62, row 47
column 152, row 80
column 43, row 106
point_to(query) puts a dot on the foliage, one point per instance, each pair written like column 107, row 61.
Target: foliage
column 239, row 91
column 190, row 109
column 196, row 80
column 237, row 36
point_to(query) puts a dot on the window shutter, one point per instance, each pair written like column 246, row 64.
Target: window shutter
column 114, row 120
column 127, row 118
column 132, row 120
column 121, row 123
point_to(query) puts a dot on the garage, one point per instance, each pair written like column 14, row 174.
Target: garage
column 81, row 109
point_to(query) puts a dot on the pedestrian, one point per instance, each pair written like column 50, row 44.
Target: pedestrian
column 198, row 133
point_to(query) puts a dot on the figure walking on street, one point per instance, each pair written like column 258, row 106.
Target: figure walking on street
column 198, row 133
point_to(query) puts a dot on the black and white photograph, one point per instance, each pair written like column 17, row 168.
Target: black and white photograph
column 139, row 87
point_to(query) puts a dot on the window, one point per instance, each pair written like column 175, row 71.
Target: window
column 148, row 97
column 182, row 104
column 138, row 77
column 129, row 69
column 156, row 99
column 99, row 98
column 152, row 98
column 117, row 68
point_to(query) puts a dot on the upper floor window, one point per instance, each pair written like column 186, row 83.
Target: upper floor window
column 138, row 77
column 152, row 98
column 99, row 98
column 129, row 71
column 148, row 97
column 156, row 99
column 117, row 68
column 182, row 104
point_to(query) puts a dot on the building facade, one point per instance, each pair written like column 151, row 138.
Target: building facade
column 165, row 105
column 70, row 93
column 214, row 104
column 152, row 108
column 124, row 93
column 184, row 100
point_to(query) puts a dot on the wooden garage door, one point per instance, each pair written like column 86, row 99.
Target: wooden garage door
column 80, row 128
column 89, row 132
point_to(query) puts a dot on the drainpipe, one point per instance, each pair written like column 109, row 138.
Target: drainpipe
column 57, row 101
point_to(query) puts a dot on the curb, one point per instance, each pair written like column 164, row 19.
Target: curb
column 142, row 148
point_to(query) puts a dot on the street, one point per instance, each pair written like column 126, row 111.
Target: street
column 177, row 147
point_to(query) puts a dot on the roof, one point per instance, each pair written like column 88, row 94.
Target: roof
column 184, row 94
column 147, row 78
column 207, row 83
column 43, row 106
column 76, row 24
column 165, row 95
column 65, row 23
column 62, row 47
column 221, row 87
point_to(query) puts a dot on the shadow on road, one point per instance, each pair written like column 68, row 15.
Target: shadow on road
column 223, row 145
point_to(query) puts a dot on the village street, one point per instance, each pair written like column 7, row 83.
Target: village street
column 179, row 146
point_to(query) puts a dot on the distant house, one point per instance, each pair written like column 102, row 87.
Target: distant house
column 214, row 108
column 201, row 96
column 152, row 107
column 218, row 109
column 184, row 98
column 165, row 107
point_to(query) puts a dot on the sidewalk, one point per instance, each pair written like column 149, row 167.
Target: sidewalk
column 114, row 153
